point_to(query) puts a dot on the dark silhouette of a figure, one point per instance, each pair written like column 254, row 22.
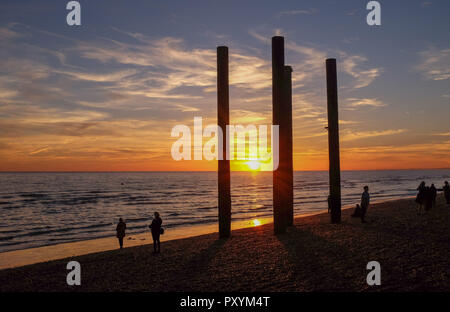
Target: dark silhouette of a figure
column 156, row 232
column 428, row 198
column 433, row 195
column 365, row 202
column 420, row 198
column 446, row 190
column 120, row 229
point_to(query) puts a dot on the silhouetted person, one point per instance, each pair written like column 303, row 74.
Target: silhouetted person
column 420, row 198
column 433, row 195
column 120, row 229
column 446, row 190
column 365, row 202
column 156, row 232
column 428, row 198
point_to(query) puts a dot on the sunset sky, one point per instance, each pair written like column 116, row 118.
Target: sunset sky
column 105, row 95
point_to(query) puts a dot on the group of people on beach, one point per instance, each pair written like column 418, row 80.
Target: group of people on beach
column 426, row 196
column 425, row 199
column 155, row 228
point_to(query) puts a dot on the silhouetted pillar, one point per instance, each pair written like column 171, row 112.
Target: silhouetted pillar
column 279, row 118
column 333, row 141
column 289, row 150
column 223, row 119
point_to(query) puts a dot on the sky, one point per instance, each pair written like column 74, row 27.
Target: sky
column 104, row 96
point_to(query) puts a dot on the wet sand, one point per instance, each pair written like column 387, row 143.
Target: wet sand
column 313, row 255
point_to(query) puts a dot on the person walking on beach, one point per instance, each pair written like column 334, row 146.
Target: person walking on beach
column 156, row 232
column 365, row 202
column 120, row 229
column 446, row 190
column 433, row 195
column 420, row 198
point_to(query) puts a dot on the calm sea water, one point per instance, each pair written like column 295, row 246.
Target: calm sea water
column 38, row 209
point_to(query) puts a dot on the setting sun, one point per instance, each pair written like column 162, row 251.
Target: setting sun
column 256, row 222
column 254, row 164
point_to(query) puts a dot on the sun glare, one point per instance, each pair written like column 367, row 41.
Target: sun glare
column 254, row 164
column 256, row 222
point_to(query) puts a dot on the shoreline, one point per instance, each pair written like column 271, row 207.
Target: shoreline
column 313, row 255
column 34, row 255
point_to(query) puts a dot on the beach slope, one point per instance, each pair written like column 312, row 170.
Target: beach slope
column 313, row 255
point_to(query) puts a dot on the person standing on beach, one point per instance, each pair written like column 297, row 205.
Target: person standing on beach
column 446, row 190
column 427, row 198
column 433, row 195
column 365, row 202
column 120, row 229
column 420, row 198
column 156, row 232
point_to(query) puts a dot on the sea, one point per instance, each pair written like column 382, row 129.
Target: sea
column 40, row 209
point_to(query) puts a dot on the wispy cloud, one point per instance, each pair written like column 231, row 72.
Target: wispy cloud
column 443, row 134
column 351, row 64
column 353, row 103
column 435, row 63
column 297, row 12
column 308, row 63
column 7, row 33
column 350, row 135
column 39, row 150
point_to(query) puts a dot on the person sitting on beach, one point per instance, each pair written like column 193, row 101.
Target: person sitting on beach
column 420, row 198
column 120, row 229
column 446, row 190
column 433, row 195
column 156, row 232
column 365, row 202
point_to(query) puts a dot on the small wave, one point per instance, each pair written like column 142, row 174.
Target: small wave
column 10, row 244
column 11, row 207
column 137, row 219
column 207, row 208
column 9, row 231
column 192, row 222
column 37, row 195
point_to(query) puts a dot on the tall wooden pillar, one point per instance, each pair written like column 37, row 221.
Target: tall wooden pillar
column 279, row 118
column 333, row 141
column 223, row 119
column 289, row 149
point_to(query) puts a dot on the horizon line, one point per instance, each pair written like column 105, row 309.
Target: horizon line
column 174, row 171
